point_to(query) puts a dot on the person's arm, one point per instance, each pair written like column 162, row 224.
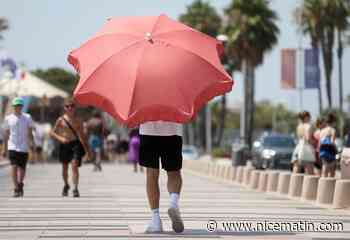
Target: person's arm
column 334, row 135
column 82, row 137
column 6, row 138
column 54, row 135
column 31, row 136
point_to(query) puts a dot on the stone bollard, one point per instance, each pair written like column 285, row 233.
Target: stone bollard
column 325, row 190
column 227, row 172
column 254, row 179
column 283, row 182
column 232, row 174
column 218, row 171
column 207, row 168
column 247, row 171
column 341, row 197
column 272, row 181
column 262, row 186
column 310, row 184
column 223, row 172
column 212, row 169
column 239, row 174
column 296, row 184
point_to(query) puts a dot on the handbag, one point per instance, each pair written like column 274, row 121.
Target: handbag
column 306, row 152
column 80, row 147
column 345, row 163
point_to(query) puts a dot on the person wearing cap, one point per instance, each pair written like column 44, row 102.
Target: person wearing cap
column 18, row 135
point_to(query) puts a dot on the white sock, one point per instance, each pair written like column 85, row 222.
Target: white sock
column 174, row 200
column 155, row 216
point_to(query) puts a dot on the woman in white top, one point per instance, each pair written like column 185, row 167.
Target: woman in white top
column 305, row 136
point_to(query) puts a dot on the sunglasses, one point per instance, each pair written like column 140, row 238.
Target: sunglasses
column 70, row 106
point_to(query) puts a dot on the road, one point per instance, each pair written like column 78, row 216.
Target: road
column 113, row 206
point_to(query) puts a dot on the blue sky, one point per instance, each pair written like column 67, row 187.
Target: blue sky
column 43, row 32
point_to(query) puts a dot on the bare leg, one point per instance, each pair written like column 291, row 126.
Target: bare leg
column 135, row 166
column 14, row 176
column 65, row 173
column 174, row 182
column 75, row 173
column 174, row 188
column 332, row 170
column 295, row 167
column 99, row 159
column 152, row 176
column 21, row 174
column 309, row 169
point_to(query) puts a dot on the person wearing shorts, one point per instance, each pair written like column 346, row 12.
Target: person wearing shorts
column 328, row 151
column 96, row 132
column 18, row 135
column 162, row 141
column 68, row 131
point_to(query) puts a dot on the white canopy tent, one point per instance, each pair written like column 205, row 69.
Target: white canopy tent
column 30, row 85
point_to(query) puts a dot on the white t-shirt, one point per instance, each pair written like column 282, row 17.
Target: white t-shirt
column 161, row 128
column 19, row 131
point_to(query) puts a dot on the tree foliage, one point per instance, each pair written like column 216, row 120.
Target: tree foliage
column 3, row 26
column 58, row 77
column 202, row 16
column 252, row 30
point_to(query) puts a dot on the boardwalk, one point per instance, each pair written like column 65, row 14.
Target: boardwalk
column 113, row 206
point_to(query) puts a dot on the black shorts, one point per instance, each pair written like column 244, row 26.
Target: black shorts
column 18, row 159
column 167, row 148
column 70, row 151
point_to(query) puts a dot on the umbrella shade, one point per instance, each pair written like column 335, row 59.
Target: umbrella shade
column 142, row 69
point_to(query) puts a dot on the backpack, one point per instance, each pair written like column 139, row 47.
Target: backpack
column 328, row 150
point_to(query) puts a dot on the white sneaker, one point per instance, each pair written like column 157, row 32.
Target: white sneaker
column 175, row 217
column 154, row 227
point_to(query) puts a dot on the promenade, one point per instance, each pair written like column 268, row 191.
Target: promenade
column 113, row 205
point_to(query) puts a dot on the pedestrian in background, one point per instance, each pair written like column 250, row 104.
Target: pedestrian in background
column 68, row 131
column 96, row 132
column 18, row 136
column 328, row 149
column 304, row 154
column 320, row 124
column 134, row 149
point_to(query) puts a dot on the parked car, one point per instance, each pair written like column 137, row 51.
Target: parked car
column 273, row 151
column 190, row 152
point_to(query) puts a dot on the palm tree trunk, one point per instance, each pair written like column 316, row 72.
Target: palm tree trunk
column 244, row 107
column 190, row 127
column 340, row 65
column 327, row 53
column 222, row 119
column 250, row 105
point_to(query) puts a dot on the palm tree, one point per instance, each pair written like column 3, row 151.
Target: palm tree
column 308, row 17
column 202, row 16
column 252, row 31
column 321, row 19
column 342, row 10
column 3, row 26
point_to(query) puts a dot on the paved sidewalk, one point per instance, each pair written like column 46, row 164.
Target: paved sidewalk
column 113, row 206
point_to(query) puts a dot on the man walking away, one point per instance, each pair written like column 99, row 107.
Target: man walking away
column 162, row 140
